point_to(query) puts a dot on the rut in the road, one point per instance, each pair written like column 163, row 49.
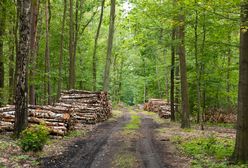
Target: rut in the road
column 83, row 152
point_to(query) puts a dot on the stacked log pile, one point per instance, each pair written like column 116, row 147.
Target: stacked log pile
column 158, row 106
column 74, row 109
column 220, row 116
column 87, row 107
column 56, row 118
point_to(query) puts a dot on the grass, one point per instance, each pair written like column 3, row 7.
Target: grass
column 124, row 160
column 155, row 117
column 211, row 152
column 115, row 115
column 75, row 134
column 134, row 124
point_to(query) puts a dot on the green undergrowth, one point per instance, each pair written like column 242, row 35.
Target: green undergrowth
column 211, row 152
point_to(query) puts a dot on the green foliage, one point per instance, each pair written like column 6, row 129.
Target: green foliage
column 216, row 147
column 34, row 138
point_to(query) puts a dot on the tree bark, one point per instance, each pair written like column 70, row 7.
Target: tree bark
column 33, row 49
column 241, row 146
column 110, row 46
column 172, row 96
column 47, row 54
column 2, row 31
column 94, row 58
column 61, row 53
column 183, row 70
column 71, row 49
column 21, row 99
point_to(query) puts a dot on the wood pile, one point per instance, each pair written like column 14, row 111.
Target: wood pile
column 74, row 109
column 220, row 116
column 87, row 107
column 158, row 106
column 56, row 118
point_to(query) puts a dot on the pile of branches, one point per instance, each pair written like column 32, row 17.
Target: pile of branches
column 219, row 115
column 56, row 118
column 87, row 107
column 158, row 106
column 74, row 109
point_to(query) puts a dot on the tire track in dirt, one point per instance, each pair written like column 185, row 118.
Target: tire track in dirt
column 83, row 153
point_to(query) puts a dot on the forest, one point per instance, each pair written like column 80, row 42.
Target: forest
column 154, row 74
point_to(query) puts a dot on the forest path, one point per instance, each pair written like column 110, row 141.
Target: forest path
column 128, row 142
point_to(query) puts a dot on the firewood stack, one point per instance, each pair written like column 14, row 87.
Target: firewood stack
column 56, row 118
column 87, row 107
column 218, row 115
column 158, row 106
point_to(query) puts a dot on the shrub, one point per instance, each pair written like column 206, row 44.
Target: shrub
column 34, row 138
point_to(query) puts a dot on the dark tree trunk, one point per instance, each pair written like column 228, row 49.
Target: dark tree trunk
column 94, row 58
column 71, row 49
column 33, row 49
column 2, row 30
column 47, row 54
column 21, row 99
column 172, row 96
column 241, row 146
column 183, row 71
column 110, row 46
column 61, row 53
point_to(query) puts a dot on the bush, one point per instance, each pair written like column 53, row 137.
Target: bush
column 34, row 138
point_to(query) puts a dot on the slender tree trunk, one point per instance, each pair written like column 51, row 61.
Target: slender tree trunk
column 241, row 146
column 145, row 85
column 2, row 30
column 228, row 74
column 71, row 49
column 183, row 70
column 157, row 77
column 110, row 45
column 11, row 64
column 21, row 99
column 94, row 58
column 33, row 49
column 47, row 53
column 172, row 96
column 61, row 53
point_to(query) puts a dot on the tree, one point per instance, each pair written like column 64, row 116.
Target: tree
column 21, row 99
column 172, row 77
column 241, row 146
column 61, row 53
column 110, row 46
column 71, row 49
column 94, row 58
column 47, row 54
column 2, row 30
column 33, row 48
column 183, row 71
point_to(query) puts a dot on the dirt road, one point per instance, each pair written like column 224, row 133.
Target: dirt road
column 126, row 143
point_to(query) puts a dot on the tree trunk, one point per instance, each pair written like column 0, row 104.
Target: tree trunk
column 33, row 48
column 228, row 76
column 183, row 70
column 61, row 53
column 71, row 49
column 47, row 54
column 110, row 46
column 21, row 99
column 172, row 98
column 11, row 64
column 94, row 58
column 2, row 30
column 241, row 146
